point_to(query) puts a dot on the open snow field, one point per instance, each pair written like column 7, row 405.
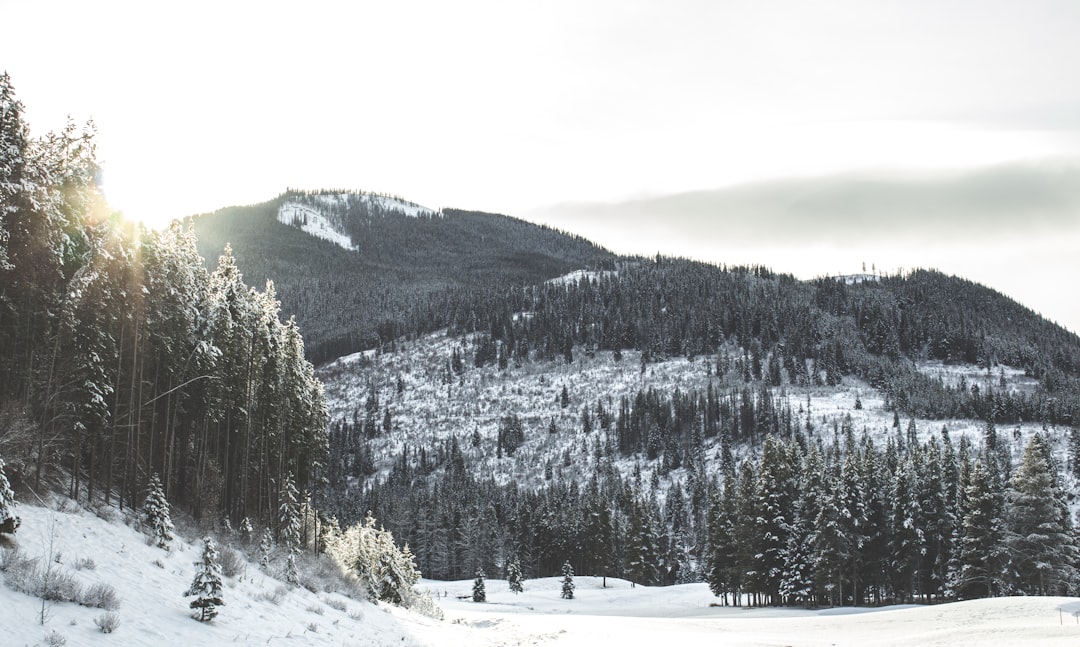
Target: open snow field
column 260, row 610
column 681, row 615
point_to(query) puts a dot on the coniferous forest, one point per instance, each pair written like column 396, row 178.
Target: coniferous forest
column 122, row 357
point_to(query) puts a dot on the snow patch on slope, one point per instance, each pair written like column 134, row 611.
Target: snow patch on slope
column 312, row 222
column 575, row 277
column 321, row 214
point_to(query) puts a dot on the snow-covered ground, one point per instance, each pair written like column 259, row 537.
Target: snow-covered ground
column 682, row 615
column 260, row 610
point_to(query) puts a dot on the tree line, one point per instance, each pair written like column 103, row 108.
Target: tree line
column 826, row 518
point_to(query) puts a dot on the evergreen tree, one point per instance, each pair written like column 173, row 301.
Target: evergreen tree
column 981, row 538
column 289, row 514
column 907, row 536
column 642, row 546
column 567, row 581
column 797, row 583
column 206, row 586
column 9, row 522
column 775, row 490
column 478, row 592
column 1039, row 539
column 514, row 577
column 156, row 513
column 266, row 547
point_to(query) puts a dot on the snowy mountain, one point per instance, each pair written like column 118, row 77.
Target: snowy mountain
column 358, row 269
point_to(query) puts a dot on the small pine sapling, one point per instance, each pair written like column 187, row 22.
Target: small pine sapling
column 514, row 577
column 568, row 581
column 206, row 586
column 156, row 513
column 479, row 594
column 266, row 546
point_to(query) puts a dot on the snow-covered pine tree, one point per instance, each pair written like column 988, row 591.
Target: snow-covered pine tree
column 206, row 586
column 156, row 513
column 247, row 533
column 981, row 538
column 9, row 523
column 292, row 575
column 567, row 581
column 289, row 514
column 513, row 576
column 479, row 594
column 266, row 546
column 1039, row 540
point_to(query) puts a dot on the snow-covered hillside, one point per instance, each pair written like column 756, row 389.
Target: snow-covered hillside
column 150, row 583
column 260, row 610
column 320, row 214
column 426, row 403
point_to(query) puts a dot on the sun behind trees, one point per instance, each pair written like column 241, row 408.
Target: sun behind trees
column 121, row 356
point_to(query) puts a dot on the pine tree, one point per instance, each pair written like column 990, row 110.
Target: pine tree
column 1039, row 538
column 981, row 538
column 156, row 513
column 246, row 531
column 478, row 592
column 9, row 523
column 514, row 577
column 289, row 514
column 206, row 586
column 266, row 546
column 567, row 581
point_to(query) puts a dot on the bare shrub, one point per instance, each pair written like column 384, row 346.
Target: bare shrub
column 232, row 562
column 275, row 596
column 60, row 586
column 101, row 596
column 55, row 639
column 107, row 622
column 20, row 571
column 84, row 564
column 335, row 603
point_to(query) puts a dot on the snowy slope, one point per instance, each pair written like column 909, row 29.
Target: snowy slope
column 312, row 222
column 260, row 610
column 314, row 214
column 430, row 408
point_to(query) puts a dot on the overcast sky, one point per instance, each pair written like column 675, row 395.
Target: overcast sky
column 808, row 136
